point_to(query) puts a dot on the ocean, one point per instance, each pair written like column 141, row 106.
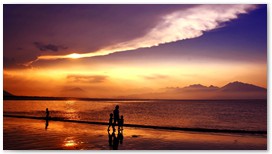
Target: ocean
column 248, row 115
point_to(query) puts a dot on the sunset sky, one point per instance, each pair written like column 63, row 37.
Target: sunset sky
column 113, row 50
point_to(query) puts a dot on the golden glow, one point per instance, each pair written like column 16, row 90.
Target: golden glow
column 122, row 80
column 70, row 143
column 74, row 56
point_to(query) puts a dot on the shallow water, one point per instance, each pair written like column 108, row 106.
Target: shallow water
column 226, row 114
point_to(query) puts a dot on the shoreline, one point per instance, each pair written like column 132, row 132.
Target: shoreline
column 149, row 126
column 26, row 134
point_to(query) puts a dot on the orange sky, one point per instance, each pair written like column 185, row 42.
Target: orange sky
column 111, row 80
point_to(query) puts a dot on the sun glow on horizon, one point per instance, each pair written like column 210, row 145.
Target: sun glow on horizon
column 74, row 56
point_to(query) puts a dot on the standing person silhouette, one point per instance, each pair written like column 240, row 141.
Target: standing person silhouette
column 47, row 114
column 46, row 118
column 116, row 114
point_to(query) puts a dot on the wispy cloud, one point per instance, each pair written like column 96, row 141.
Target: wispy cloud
column 87, row 78
column 179, row 25
column 155, row 77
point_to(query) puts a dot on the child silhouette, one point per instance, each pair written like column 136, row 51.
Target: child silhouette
column 110, row 122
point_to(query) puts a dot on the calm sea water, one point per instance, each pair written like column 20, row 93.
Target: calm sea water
column 227, row 114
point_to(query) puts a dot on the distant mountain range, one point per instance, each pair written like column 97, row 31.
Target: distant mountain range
column 239, row 86
column 233, row 90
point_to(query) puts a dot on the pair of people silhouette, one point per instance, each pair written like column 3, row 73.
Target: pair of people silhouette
column 115, row 120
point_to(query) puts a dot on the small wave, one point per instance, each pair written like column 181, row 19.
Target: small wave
column 148, row 126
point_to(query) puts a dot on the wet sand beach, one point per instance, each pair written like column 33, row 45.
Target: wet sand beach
column 25, row 134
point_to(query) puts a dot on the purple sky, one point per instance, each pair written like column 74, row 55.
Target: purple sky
column 162, row 46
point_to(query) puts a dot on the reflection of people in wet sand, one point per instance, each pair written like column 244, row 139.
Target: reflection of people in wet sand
column 110, row 138
column 115, row 141
column 111, row 122
column 46, row 123
column 120, row 137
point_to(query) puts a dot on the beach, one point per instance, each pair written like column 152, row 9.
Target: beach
column 25, row 134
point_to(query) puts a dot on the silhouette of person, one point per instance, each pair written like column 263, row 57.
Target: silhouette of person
column 116, row 114
column 121, row 123
column 47, row 113
column 111, row 122
column 46, row 118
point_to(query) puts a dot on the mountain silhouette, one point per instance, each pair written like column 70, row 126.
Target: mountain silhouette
column 199, row 87
column 240, row 86
column 232, row 90
column 6, row 93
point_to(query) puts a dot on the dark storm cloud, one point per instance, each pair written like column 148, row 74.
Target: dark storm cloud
column 87, row 78
column 46, row 47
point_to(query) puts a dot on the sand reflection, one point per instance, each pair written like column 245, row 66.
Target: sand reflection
column 71, row 143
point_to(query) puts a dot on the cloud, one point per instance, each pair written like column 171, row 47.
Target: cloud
column 48, row 47
column 72, row 89
column 155, row 77
column 179, row 25
column 87, row 78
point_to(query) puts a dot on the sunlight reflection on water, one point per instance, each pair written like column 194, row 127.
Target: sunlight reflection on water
column 228, row 114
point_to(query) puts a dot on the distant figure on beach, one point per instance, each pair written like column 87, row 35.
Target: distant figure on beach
column 47, row 114
column 111, row 122
column 46, row 118
column 116, row 114
column 121, row 123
